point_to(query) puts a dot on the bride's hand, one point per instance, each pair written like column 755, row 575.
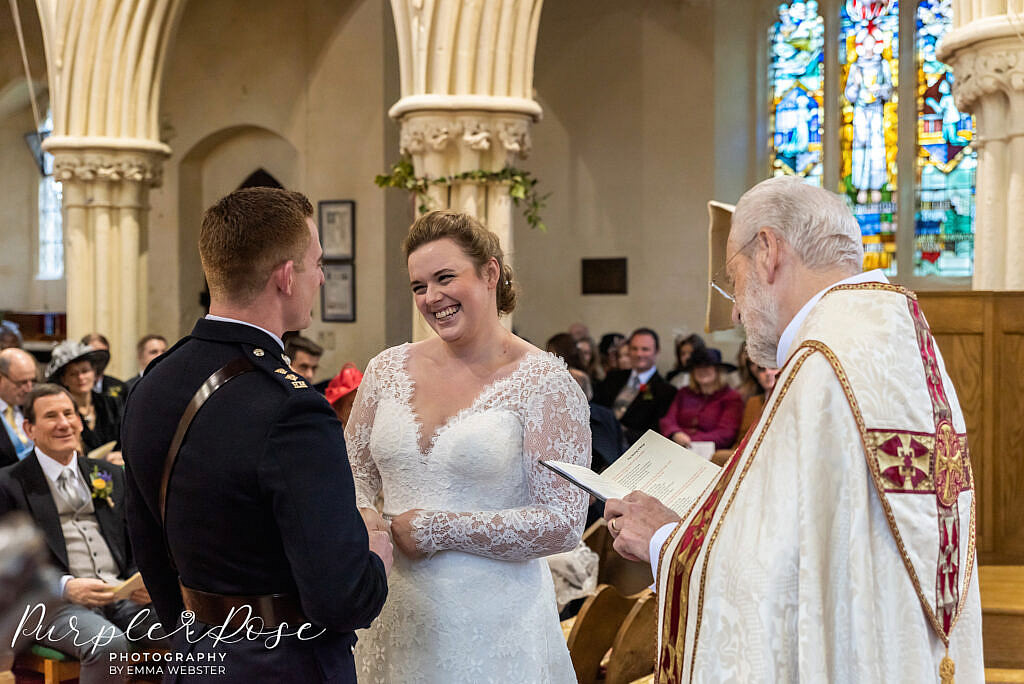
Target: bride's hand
column 402, row 534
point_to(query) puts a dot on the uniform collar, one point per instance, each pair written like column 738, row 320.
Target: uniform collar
column 213, row 328
column 786, row 340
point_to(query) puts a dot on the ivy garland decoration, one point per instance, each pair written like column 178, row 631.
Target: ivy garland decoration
column 522, row 186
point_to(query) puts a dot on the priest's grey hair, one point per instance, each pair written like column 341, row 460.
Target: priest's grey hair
column 815, row 222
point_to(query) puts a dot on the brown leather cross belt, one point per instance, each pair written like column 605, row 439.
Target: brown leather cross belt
column 272, row 609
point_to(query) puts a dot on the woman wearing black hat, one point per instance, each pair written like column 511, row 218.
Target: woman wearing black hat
column 72, row 365
column 707, row 410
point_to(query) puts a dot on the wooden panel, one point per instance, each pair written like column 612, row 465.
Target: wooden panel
column 1009, row 512
column 981, row 338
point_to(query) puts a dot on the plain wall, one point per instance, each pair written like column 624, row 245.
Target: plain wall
column 626, row 149
column 300, row 94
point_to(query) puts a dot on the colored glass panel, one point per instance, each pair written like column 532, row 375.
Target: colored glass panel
column 869, row 80
column 946, row 161
column 796, row 81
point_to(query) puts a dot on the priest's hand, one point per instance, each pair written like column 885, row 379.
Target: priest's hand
column 90, row 592
column 633, row 520
column 402, row 533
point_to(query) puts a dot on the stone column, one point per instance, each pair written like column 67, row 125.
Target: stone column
column 105, row 61
column 467, row 101
column 986, row 53
column 105, row 208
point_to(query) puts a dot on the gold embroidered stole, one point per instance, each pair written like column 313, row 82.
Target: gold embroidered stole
column 934, row 464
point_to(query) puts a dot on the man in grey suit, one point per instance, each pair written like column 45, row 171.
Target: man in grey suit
column 79, row 506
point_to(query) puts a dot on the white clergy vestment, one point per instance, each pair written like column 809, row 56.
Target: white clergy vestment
column 838, row 544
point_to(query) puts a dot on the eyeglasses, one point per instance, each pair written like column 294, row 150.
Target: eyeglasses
column 721, row 282
column 20, row 384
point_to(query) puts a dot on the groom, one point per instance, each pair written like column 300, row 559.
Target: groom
column 249, row 511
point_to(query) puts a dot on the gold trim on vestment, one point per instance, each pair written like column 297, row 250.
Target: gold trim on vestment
column 876, row 479
column 883, row 287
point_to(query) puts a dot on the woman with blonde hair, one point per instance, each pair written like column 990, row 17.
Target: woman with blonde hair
column 451, row 430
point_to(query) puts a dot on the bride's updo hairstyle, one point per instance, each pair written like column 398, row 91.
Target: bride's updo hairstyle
column 477, row 243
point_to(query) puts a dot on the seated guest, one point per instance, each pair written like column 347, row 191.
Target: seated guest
column 17, row 376
column 105, row 384
column 341, row 391
column 146, row 349
column 305, row 355
column 608, row 352
column 10, row 335
column 755, row 396
column 638, row 396
column 79, row 506
column 564, row 347
column 588, row 359
column 758, row 381
column 679, row 376
column 72, row 365
column 707, row 410
column 606, row 434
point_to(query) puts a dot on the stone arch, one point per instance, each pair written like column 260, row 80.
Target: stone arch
column 210, row 169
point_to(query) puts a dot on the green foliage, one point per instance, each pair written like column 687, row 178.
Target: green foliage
column 522, row 187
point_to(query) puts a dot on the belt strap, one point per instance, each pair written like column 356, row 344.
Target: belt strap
column 215, row 609
column 231, row 369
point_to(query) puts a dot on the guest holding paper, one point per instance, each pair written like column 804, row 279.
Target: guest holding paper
column 452, row 431
column 707, row 410
column 79, row 506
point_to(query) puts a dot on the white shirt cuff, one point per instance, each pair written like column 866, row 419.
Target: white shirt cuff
column 657, row 541
column 64, row 583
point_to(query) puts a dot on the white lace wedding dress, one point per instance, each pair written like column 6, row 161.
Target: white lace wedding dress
column 481, row 606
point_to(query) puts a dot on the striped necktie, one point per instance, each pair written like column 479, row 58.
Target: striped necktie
column 9, row 417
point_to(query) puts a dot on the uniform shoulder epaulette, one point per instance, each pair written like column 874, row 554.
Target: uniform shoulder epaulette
column 277, row 364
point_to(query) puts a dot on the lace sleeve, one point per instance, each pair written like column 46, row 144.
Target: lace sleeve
column 357, row 439
column 556, row 427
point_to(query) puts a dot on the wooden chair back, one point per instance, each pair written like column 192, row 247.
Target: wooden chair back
column 636, row 643
column 594, row 630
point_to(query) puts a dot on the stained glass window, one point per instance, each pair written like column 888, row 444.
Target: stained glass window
column 797, row 53
column 869, row 80
column 51, row 231
column 946, row 162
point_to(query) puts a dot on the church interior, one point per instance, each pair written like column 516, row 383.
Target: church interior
column 121, row 121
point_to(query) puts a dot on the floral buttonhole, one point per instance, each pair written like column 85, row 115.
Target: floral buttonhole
column 102, row 485
column 645, row 392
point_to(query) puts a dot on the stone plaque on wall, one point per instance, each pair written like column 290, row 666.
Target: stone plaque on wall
column 604, row 276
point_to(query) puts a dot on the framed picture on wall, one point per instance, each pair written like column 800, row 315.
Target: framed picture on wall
column 338, row 228
column 338, row 296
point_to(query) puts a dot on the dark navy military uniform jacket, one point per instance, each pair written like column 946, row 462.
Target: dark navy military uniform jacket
column 261, row 502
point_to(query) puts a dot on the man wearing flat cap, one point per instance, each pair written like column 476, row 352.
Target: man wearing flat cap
column 241, row 505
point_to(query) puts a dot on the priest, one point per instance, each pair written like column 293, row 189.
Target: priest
column 838, row 543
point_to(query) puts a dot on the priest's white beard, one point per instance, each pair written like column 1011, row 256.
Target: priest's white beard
column 760, row 316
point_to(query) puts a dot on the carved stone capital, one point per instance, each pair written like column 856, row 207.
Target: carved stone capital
column 108, row 166
column 985, row 68
column 480, row 132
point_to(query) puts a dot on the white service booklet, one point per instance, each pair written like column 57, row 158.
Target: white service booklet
column 655, row 465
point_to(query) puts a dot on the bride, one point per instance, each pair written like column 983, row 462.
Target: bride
column 451, row 430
